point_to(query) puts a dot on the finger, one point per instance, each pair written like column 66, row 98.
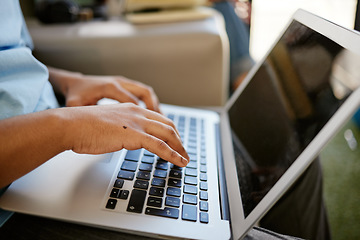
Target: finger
column 167, row 134
column 154, row 104
column 161, row 118
column 162, row 127
column 77, row 100
column 142, row 92
column 73, row 102
column 164, row 151
column 109, row 90
column 116, row 92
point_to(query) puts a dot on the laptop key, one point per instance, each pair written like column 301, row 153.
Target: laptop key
column 203, row 195
column 190, row 199
column 119, row 183
column 124, row 194
column 129, row 166
column 191, row 172
column 175, row 174
column 133, row 155
column 192, row 164
column 176, row 192
column 145, row 167
column 137, row 200
column 203, row 177
column 155, row 191
column 159, row 182
column 174, row 182
column 141, row 184
column 161, row 165
column 204, row 206
column 160, row 173
column 203, row 168
column 172, row 202
column 203, row 186
column 204, row 217
column 148, row 159
column 190, row 189
column 191, row 150
column 193, row 121
column 143, row 175
column 192, row 144
column 111, row 203
column 174, row 167
column 193, row 157
column 189, row 212
column 126, row 175
column 171, row 116
column 115, row 193
column 166, row 212
column 147, row 153
column 190, row 180
column 154, row 202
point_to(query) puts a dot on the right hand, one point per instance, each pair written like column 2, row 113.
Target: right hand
column 109, row 128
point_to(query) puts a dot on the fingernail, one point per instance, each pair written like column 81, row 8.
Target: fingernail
column 184, row 161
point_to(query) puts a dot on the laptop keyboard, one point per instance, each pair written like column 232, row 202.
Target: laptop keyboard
column 163, row 189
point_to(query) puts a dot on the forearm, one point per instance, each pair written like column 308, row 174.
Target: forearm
column 28, row 141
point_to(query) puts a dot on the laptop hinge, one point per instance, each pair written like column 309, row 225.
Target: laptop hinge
column 221, row 176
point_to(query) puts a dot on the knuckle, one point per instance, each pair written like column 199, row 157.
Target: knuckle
column 72, row 103
column 147, row 140
column 131, row 106
column 148, row 90
column 162, row 144
column 173, row 154
column 170, row 131
column 109, row 85
column 170, row 123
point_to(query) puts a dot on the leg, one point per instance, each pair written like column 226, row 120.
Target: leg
column 301, row 211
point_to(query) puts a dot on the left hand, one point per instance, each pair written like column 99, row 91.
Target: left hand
column 83, row 90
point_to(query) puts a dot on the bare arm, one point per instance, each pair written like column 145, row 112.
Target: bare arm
column 28, row 141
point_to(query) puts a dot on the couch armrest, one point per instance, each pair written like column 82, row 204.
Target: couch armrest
column 185, row 62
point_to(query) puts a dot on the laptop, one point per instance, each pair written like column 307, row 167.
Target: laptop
column 286, row 110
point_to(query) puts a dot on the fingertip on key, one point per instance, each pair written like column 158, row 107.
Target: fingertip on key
column 184, row 162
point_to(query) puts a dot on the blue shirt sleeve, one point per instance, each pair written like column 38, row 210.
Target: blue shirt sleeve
column 24, row 85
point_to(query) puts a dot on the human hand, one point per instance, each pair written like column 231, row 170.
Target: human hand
column 84, row 90
column 108, row 128
column 89, row 129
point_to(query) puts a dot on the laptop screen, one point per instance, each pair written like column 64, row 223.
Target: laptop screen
column 296, row 90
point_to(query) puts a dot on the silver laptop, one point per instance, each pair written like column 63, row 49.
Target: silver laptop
column 285, row 111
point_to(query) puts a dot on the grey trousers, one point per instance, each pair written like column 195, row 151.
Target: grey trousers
column 301, row 212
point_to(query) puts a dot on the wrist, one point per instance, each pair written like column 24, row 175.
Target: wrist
column 61, row 128
column 62, row 79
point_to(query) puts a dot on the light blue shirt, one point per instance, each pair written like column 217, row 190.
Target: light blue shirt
column 24, row 85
